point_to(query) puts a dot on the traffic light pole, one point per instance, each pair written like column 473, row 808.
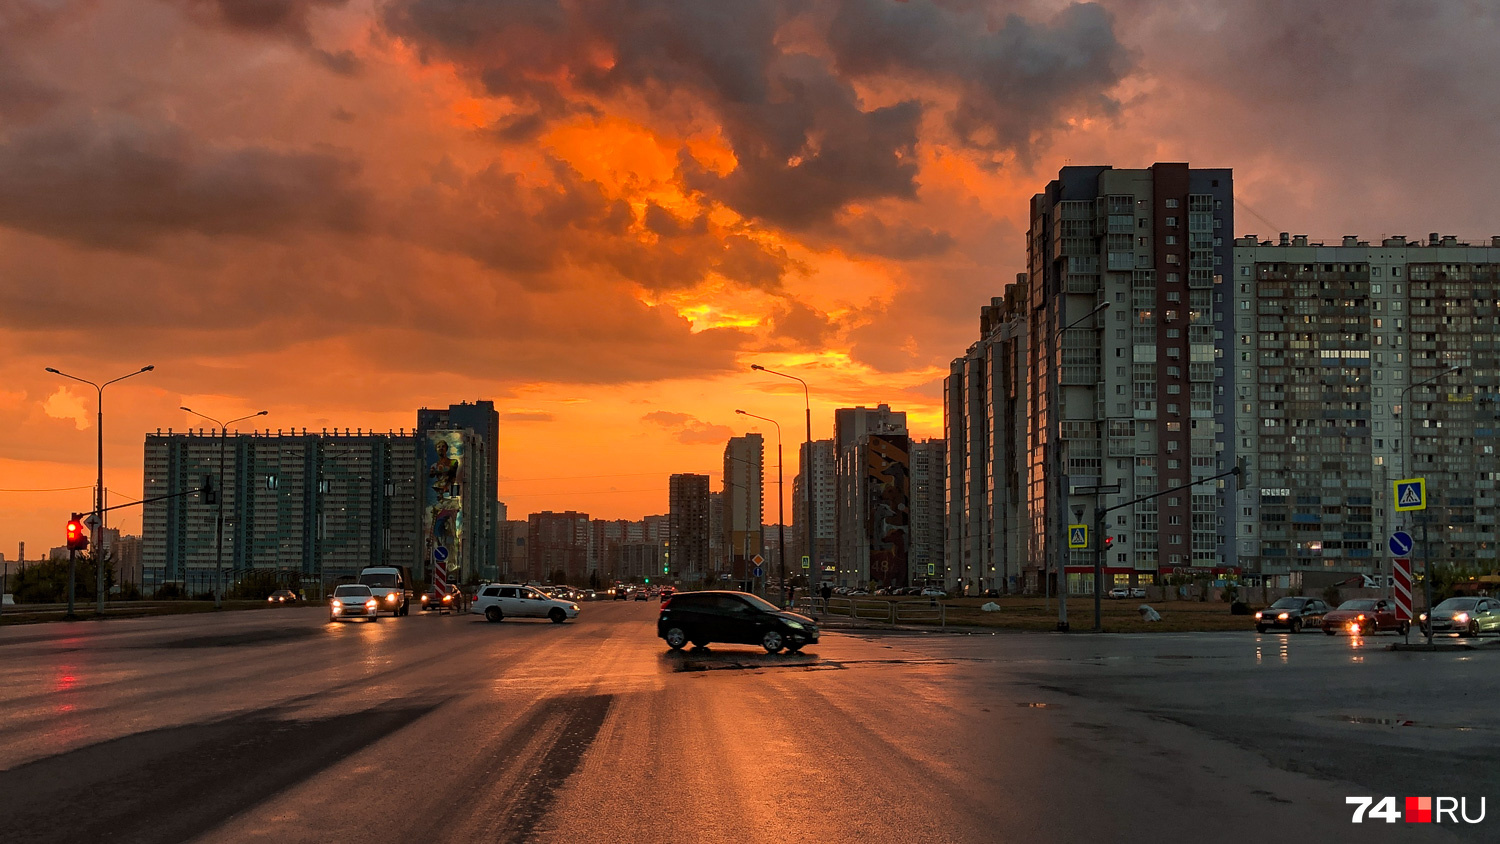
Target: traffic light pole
column 72, row 578
column 1099, row 535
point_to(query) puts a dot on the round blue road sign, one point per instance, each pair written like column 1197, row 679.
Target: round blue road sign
column 1400, row 543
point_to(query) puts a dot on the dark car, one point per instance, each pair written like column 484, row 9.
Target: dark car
column 453, row 601
column 1291, row 614
column 1363, row 617
column 641, row 595
column 734, row 618
column 282, row 596
column 622, row 594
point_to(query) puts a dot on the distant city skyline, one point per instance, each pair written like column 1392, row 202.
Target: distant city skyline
column 337, row 212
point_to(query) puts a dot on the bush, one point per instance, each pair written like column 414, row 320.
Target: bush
column 1239, row 608
column 204, row 596
column 1331, row 596
column 168, row 592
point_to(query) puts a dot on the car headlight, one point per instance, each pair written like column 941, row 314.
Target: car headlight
column 390, row 596
column 371, row 604
column 337, row 604
column 1257, row 615
column 1283, row 616
column 1422, row 617
column 574, row 606
column 1461, row 618
column 795, row 625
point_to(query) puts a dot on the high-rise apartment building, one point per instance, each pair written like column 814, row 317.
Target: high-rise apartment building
column 1129, row 395
column 558, row 543
column 687, row 543
column 317, row 506
column 1357, row 365
column 988, row 534
column 743, row 500
column 484, row 517
column 824, row 510
column 924, row 556
column 873, row 508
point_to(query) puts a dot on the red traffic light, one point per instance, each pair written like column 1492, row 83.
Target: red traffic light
column 78, row 540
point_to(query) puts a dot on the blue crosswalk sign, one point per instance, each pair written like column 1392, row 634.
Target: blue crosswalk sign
column 1078, row 536
column 1411, row 494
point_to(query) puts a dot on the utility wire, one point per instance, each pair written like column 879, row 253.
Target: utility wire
column 54, row 489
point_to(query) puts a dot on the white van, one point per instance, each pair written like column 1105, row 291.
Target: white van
column 392, row 587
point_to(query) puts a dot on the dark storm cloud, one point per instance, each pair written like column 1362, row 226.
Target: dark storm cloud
column 286, row 19
column 119, row 181
column 806, row 143
column 1014, row 79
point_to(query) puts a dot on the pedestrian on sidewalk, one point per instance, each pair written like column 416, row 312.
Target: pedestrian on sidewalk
column 825, row 593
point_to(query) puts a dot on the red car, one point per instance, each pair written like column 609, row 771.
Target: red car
column 1364, row 616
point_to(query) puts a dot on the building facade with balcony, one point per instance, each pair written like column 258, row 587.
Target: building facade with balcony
column 1128, row 397
column 1359, row 364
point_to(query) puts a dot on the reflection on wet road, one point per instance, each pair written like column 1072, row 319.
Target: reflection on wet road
column 277, row 726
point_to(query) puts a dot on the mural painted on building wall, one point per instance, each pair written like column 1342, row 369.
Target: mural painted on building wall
column 442, row 512
column 888, row 480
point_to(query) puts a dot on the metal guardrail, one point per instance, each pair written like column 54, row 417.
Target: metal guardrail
column 876, row 609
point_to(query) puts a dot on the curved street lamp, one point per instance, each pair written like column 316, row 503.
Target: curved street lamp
column 780, row 504
column 815, row 565
column 98, row 489
column 219, row 528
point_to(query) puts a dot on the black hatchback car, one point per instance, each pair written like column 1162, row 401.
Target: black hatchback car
column 733, row 618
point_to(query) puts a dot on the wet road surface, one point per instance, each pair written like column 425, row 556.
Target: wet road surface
column 279, row 727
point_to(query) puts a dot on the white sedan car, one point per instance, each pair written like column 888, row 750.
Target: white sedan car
column 499, row 601
column 353, row 600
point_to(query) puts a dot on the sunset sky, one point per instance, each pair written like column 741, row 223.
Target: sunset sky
column 599, row 214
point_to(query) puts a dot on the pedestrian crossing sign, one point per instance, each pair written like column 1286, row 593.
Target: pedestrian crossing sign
column 1078, row 536
column 931, row 569
column 806, row 561
column 1411, row 494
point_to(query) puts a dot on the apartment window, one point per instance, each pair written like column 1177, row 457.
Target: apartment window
column 1244, row 272
column 1396, row 273
column 1173, row 259
column 1174, row 296
column 272, row 482
column 1173, row 463
column 1172, row 203
column 1171, row 240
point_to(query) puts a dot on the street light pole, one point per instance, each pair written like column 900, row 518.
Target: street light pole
column 99, row 482
column 780, row 504
column 1409, row 441
column 1061, row 507
column 223, row 491
column 815, row 565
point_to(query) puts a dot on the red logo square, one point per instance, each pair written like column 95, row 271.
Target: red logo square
column 1419, row 810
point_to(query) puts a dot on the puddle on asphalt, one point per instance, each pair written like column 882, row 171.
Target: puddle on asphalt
column 1029, row 705
column 738, row 662
column 1399, row 722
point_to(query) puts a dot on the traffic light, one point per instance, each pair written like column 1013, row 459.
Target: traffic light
column 648, row 581
column 1109, row 542
column 78, row 539
column 1242, row 469
column 663, row 569
column 210, row 495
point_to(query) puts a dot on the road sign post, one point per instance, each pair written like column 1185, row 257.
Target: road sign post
column 1401, row 573
column 1411, row 494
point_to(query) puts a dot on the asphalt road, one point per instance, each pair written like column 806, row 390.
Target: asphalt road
column 279, row 727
